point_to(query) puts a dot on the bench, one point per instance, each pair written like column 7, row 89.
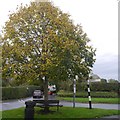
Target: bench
column 48, row 103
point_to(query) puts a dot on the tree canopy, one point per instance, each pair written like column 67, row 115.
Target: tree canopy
column 40, row 40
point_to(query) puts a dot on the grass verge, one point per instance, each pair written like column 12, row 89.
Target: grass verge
column 94, row 100
column 64, row 112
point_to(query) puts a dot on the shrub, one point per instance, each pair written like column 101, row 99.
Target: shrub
column 104, row 87
column 18, row 92
column 96, row 86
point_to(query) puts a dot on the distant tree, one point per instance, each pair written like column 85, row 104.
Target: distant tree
column 40, row 41
column 112, row 81
column 103, row 80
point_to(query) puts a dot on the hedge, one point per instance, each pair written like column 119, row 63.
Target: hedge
column 18, row 92
column 108, row 90
column 98, row 86
column 105, row 86
column 83, row 94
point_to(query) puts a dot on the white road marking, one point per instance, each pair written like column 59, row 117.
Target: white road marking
column 5, row 103
column 22, row 101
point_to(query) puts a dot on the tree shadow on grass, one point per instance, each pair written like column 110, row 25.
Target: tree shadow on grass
column 43, row 112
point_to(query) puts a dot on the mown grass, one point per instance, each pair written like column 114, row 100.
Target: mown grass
column 94, row 100
column 64, row 112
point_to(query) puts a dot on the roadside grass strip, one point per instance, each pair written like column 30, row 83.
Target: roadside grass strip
column 94, row 100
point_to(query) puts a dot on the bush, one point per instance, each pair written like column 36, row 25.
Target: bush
column 18, row 92
column 104, row 87
column 96, row 86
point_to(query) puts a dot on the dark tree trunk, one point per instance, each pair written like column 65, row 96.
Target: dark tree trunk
column 46, row 89
column 46, row 109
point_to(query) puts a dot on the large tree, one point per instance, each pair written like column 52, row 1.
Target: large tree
column 39, row 40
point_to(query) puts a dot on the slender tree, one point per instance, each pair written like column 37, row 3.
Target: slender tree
column 40, row 41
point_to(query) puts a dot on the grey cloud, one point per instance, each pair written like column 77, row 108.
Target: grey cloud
column 106, row 66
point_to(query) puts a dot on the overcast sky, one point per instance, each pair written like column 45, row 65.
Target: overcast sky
column 99, row 19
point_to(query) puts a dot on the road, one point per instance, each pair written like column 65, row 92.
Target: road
column 8, row 105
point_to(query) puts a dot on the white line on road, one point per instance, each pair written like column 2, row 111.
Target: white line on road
column 5, row 103
column 22, row 101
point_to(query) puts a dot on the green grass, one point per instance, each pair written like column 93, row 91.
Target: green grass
column 64, row 112
column 94, row 100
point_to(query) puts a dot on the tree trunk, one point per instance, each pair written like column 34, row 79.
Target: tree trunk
column 46, row 89
column 46, row 109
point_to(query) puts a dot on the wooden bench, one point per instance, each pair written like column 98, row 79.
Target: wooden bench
column 48, row 103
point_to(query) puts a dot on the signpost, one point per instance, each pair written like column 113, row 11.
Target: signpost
column 74, row 90
column 89, row 97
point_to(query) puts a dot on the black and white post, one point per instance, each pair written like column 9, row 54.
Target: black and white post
column 89, row 97
column 74, row 92
column 74, row 89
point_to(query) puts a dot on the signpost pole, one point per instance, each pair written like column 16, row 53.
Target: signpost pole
column 89, row 97
column 74, row 92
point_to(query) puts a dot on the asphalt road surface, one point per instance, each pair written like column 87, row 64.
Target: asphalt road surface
column 8, row 105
